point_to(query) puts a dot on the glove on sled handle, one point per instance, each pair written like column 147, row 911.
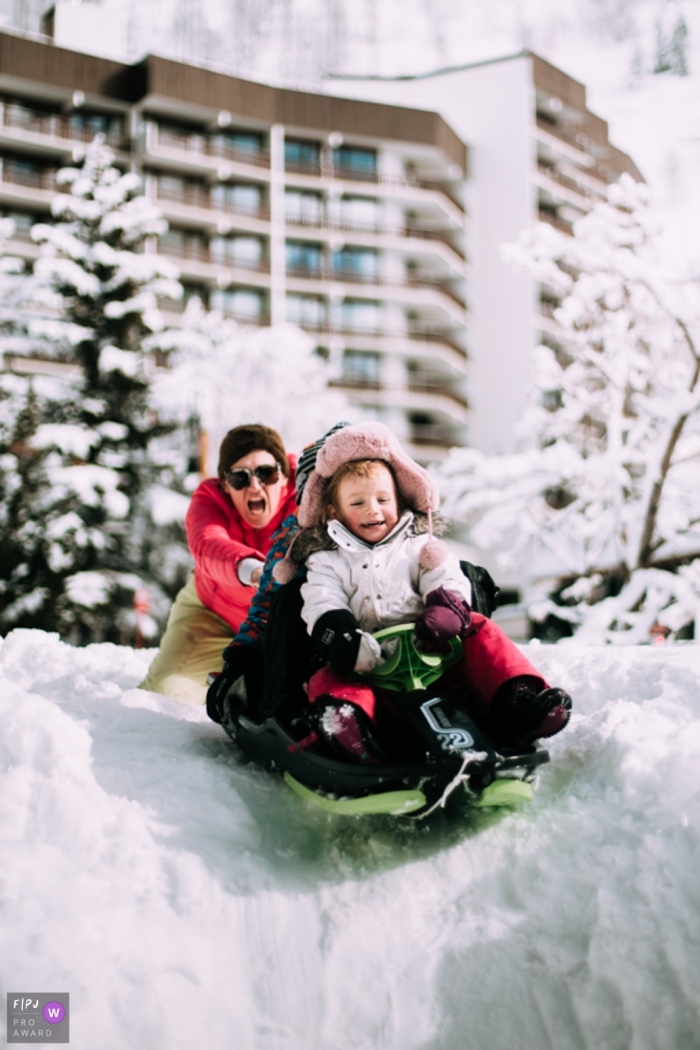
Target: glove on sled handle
column 407, row 668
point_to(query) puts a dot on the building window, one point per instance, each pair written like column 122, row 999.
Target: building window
column 302, row 155
column 361, row 212
column 304, row 257
column 244, row 198
column 86, row 125
column 24, row 172
column 185, row 244
column 355, row 262
column 303, row 207
column 180, row 136
column 355, row 160
column 425, row 430
column 241, row 303
column 308, row 311
column 358, row 315
column 361, row 368
column 237, row 251
column 24, row 221
column 182, row 190
column 233, row 143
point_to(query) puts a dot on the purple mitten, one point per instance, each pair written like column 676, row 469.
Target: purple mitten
column 445, row 616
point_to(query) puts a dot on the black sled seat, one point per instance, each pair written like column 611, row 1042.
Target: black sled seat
column 439, row 747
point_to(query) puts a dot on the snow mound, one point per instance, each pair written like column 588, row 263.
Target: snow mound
column 186, row 898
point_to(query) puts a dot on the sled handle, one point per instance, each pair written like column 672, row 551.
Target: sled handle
column 408, row 669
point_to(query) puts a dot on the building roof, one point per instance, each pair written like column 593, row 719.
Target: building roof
column 159, row 81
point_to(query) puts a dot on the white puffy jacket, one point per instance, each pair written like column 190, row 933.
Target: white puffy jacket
column 382, row 584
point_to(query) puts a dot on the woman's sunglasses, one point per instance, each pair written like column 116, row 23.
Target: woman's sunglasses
column 241, row 477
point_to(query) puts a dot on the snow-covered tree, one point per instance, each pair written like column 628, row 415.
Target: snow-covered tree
column 86, row 515
column 607, row 496
column 671, row 48
column 233, row 376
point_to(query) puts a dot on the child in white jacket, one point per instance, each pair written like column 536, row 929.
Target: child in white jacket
column 372, row 562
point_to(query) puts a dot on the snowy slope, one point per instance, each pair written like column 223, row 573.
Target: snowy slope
column 186, row 899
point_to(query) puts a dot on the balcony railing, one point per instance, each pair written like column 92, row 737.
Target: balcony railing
column 206, row 146
column 55, row 125
column 260, row 320
column 23, row 234
column 437, row 388
column 412, row 387
column 199, row 197
column 324, row 222
column 377, row 280
column 203, row 254
column 547, row 307
column 568, row 183
column 35, row 179
column 555, row 221
column 417, row 332
column 440, row 437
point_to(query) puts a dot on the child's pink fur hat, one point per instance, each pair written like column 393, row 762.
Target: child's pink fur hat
column 374, row 441
column 367, row 441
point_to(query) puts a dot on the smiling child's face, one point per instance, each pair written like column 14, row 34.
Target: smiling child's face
column 367, row 506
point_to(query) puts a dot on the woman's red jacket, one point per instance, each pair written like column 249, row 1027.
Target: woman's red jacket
column 219, row 538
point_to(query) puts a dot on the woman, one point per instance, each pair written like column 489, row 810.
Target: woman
column 229, row 524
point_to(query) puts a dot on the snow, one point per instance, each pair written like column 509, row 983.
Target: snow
column 186, row 898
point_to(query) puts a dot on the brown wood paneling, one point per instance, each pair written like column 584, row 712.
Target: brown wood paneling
column 620, row 162
column 557, row 83
column 60, row 68
column 56, row 66
column 302, row 109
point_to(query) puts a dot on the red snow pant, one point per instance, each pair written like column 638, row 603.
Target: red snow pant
column 489, row 659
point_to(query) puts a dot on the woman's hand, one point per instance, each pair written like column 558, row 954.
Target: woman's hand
column 256, row 576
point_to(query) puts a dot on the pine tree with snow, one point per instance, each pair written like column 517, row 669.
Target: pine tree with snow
column 679, row 47
column 662, row 55
column 90, row 456
column 606, row 499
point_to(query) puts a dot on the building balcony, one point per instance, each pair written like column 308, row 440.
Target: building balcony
column 375, row 235
column 22, row 124
column 432, row 440
column 407, row 189
column 27, row 188
column 173, row 309
column 200, row 151
column 196, row 262
column 409, row 290
column 355, row 277
column 441, row 400
column 31, row 179
column 376, row 337
column 563, row 143
column 207, row 146
column 566, row 177
column 199, row 198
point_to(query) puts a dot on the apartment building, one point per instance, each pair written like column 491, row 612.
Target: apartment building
column 345, row 218
column 536, row 153
column 372, row 215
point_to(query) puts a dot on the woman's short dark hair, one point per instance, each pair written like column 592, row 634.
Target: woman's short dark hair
column 251, row 437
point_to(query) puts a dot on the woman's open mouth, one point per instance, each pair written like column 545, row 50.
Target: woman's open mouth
column 256, row 506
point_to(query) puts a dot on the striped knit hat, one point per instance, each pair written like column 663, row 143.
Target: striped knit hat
column 285, row 569
column 307, row 460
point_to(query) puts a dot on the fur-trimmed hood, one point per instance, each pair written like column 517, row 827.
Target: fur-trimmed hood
column 371, row 440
